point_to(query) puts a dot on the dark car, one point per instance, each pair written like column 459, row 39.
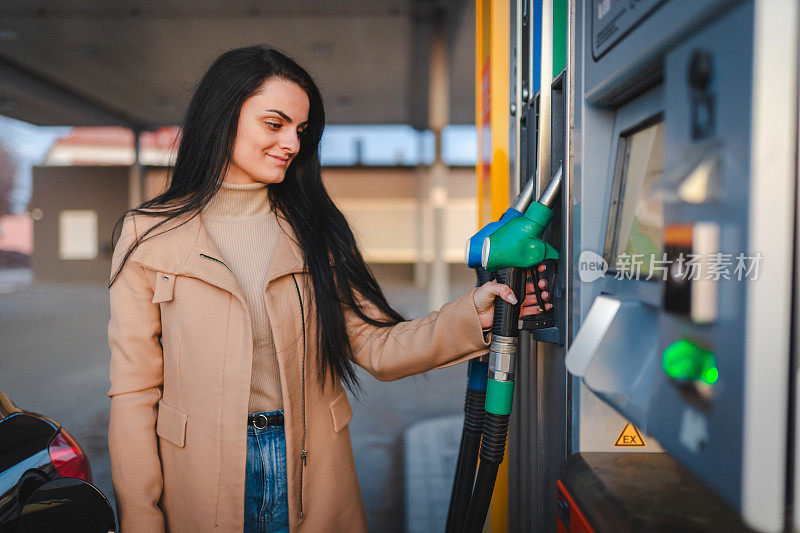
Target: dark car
column 34, row 450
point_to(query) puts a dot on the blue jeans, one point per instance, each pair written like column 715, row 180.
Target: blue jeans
column 266, row 506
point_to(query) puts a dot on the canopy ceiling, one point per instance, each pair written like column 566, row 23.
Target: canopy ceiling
column 135, row 63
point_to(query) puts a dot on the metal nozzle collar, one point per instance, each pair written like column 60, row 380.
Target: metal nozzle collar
column 504, row 345
column 502, row 358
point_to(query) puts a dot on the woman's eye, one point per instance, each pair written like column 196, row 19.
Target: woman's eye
column 273, row 125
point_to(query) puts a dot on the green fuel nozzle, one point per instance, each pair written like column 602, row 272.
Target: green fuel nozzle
column 510, row 250
column 521, row 203
column 518, row 243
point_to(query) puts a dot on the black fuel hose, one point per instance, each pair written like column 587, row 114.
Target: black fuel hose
column 470, row 434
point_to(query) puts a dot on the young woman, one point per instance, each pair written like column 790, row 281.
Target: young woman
column 239, row 304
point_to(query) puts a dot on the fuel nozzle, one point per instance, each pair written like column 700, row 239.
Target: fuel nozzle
column 502, row 366
column 518, row 207
column 518, row 242
column 513, row 247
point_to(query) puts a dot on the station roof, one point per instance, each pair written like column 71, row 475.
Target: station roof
column 135, row 63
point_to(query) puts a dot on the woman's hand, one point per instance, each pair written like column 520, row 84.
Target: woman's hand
column 486, row 293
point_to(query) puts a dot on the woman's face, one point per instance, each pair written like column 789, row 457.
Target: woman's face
column 271, row 124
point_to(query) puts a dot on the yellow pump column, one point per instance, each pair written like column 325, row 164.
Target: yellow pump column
column 492, row 104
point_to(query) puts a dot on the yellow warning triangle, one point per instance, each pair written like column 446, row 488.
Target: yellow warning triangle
column 630, row 436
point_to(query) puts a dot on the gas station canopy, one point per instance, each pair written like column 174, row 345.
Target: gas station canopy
column 135, row 63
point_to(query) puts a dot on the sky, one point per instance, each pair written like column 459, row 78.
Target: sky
column 396, row 144
column 341, row 144
column 28, row 145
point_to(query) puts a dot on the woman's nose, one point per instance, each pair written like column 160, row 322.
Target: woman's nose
column 290, row 141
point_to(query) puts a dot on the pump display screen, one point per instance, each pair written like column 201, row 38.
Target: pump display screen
column 635, row 238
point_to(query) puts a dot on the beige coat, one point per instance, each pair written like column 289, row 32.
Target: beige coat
column 181, row 357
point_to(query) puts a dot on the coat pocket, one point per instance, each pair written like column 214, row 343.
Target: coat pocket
column 171, row 424
column 341, row 412
column 164, row 289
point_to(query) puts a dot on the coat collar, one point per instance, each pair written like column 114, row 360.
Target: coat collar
column 199, row 257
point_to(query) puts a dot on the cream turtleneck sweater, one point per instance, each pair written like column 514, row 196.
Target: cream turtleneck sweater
column 245, row 230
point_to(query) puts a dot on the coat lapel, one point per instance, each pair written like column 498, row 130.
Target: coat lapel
column 288, row 257
column 199, row 257
column 202, row 259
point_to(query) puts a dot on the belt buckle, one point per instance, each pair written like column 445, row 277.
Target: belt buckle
column 260, row 418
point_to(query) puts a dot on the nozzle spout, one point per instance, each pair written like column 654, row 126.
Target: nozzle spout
column 548, row 196
column 524, row 198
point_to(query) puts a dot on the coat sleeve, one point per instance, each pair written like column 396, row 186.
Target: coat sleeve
column 442, row 338
column 136, row 383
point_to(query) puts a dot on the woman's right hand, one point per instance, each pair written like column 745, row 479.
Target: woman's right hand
column 484, row 297
column 484, row 300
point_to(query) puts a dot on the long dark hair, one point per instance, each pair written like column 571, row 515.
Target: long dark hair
column 338, row 271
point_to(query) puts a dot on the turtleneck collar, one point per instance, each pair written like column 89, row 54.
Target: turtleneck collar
column 235, row 201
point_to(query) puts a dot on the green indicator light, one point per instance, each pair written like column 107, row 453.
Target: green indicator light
column 684, row 360
column 711, row 375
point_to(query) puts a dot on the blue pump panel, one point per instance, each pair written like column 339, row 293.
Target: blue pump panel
column 662, row 178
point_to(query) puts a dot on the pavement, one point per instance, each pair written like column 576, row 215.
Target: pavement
column 54, row 358
column 431, row 452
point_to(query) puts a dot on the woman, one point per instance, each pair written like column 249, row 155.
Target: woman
column 239, row 303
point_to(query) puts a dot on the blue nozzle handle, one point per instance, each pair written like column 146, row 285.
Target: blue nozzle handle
column 475, row 242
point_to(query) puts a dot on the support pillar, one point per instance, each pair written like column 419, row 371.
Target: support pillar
column 423, row 221
column 438, row 117
column 136, row 175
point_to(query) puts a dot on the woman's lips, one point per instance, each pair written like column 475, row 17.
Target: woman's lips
column 278, row 159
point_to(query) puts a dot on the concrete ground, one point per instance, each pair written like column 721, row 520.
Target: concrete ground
column 54, row 360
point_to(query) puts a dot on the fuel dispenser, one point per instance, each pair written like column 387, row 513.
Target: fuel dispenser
column 661, row 394
column 681, row 254
column 539, row 432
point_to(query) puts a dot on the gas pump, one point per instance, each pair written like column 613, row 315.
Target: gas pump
column 683, row 185
column 518, row 207
column 518, row 243
column 517, row 247
column 665, row 397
